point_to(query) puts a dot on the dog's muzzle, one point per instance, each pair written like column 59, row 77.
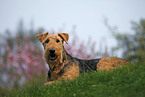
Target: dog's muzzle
column 52, row 55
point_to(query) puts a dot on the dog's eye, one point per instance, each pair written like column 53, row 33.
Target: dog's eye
column 57, row 41
column 47, row 41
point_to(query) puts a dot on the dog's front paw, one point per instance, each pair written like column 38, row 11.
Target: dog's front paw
column 49, row 83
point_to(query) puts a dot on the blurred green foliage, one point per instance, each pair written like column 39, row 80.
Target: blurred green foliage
column 132, row 44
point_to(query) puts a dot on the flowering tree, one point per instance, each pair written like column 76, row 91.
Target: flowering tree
column 21, row 59
column 84, row 49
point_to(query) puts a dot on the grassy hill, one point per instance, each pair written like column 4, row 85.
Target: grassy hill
column 125, row 82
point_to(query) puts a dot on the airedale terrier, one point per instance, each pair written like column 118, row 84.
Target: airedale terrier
column 64, row 66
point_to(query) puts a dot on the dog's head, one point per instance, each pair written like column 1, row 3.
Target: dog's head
column 53, row 46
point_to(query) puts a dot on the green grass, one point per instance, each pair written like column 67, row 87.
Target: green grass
column 125, row 82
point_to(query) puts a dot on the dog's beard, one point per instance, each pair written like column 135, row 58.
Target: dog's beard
column 53, row 59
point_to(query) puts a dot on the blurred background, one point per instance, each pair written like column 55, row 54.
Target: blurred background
column 97, row 28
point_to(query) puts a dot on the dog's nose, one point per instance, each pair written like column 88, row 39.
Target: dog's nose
column 52, row 51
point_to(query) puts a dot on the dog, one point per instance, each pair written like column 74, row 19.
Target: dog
column 63, row 66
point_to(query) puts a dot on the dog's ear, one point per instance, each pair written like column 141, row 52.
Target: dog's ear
column 64, row 36
column 41, row 37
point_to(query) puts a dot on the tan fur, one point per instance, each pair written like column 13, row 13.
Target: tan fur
column 53, row 44
column 111, row 63
column 71, row 73
column 41, row 37
column 72, row 65
column 58, row 51
column 64, row 36
column 57, row 46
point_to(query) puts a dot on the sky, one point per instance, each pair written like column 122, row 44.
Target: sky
column 86, row 15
